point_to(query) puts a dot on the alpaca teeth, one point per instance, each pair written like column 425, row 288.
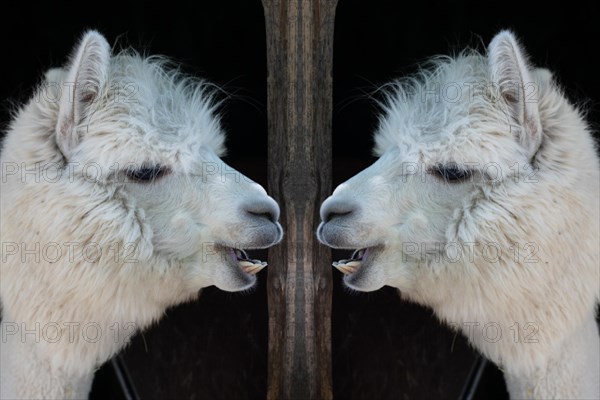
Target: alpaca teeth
column 254, row 270
column 252, row 266
column 353, row 264
column 347, row 267
column 345, row 270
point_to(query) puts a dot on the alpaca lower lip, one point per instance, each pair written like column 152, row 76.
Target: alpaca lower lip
column 248, row 265
column 348, row 267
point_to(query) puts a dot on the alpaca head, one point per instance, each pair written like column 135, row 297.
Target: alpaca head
column 465, row 128
column 142, row 142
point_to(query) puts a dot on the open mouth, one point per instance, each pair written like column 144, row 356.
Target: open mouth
column 350, row 266
column 246, row 264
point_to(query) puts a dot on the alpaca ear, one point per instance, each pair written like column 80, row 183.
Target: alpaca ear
column 510, row 72
column 83, row 83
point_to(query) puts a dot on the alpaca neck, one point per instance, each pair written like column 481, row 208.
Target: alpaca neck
column 24, row 375
column 571, row 373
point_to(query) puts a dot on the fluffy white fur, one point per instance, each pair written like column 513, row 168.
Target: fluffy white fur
column 515, row 253
column 160, row 241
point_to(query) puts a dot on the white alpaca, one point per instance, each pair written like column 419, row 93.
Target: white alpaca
column 115, row 206
column 484, row 206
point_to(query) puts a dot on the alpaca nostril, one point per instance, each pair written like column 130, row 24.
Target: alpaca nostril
column 336, row 209
column 264, row 215
column 264, row 210
column 332, row 215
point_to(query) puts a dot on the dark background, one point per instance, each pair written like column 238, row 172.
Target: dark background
column 215, row 348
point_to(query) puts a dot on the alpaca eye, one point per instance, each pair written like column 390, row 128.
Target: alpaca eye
column 146, row 174
column 451, row 173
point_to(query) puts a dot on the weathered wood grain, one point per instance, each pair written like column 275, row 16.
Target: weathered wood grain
column 299, row 54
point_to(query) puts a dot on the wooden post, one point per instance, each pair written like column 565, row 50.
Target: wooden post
column 299, row 54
